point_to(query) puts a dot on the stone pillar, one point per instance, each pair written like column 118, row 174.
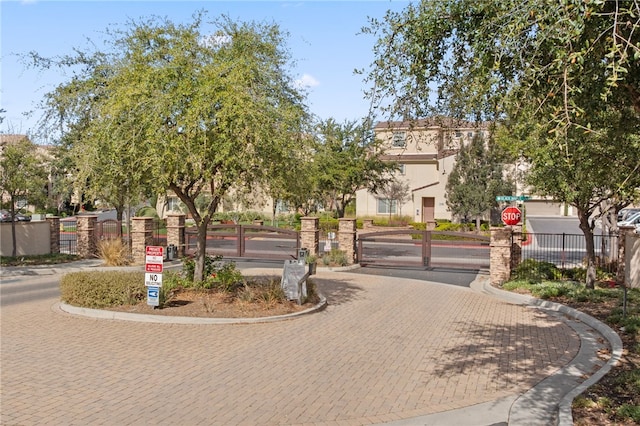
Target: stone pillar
column 310, row 234
column 141, row 237
column 347, row 238
column 54, row 234
column 367, row 223
column 86, row 236
column 176, row 232
column 500, row 255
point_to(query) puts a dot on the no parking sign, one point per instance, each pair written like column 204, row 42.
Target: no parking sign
column 153, row 274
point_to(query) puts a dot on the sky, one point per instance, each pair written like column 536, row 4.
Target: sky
column 323, row 41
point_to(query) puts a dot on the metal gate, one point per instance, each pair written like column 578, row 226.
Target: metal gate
column 247, row 241
column 424, row 249
column 68, row 240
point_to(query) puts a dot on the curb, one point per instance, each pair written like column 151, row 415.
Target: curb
column 169, row 319
column 564, row 413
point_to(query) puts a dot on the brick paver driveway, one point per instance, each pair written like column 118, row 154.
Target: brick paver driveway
column 384, row 349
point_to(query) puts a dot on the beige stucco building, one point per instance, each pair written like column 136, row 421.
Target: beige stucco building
column 425, row 151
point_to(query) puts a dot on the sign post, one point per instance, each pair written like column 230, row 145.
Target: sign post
column 511, row 215
column 153, row 274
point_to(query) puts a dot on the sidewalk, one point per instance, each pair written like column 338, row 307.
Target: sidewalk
column 385, row 351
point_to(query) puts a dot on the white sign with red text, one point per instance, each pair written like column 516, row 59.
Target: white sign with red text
column 153, row 266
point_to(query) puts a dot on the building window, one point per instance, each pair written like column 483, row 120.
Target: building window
column 399, row 139
column 401, row 169
column 386, row 206
column 173, row 204
column 458, row 135
column 470, row 135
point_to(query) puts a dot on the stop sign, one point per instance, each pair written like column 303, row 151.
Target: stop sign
column 511, row 215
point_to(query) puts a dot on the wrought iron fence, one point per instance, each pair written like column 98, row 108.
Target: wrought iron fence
column 568, row 251
column 68, row 236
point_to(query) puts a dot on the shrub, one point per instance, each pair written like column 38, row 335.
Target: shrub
column 335, row 257
column 98, row 289
column 217, row 273
column 536, row 271
column 113, row 252
column 269, row 292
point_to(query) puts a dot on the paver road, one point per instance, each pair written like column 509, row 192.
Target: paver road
column 384, row 349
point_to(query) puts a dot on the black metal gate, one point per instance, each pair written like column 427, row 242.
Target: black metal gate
column 424, row 249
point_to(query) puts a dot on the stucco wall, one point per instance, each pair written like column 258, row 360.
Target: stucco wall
column 32, row 238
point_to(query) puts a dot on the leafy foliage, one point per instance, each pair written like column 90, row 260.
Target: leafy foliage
column 175, row 107
column 22, row 177
column 346, row 159
column 475, row 181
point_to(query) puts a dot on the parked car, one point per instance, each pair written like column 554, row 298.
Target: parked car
column 5, row 216
column 626, row 213
column 20, row 217
column 632, row 220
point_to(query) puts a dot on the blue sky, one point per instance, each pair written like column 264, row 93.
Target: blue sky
column 323, row 40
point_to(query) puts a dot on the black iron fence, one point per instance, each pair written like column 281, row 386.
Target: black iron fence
column 569, row 251
column 68, row 236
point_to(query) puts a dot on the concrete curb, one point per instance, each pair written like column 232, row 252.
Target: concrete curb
column 583, row 364
column 168, row 319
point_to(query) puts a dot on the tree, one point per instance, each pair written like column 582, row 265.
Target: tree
column 22, row 177
column 475, row 181
column 549, row 71
column 347, row 158
column 397, row 191
column 187, row 111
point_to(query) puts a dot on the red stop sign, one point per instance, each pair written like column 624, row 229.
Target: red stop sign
column 511, row 215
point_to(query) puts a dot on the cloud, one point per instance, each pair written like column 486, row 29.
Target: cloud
column 307, row 81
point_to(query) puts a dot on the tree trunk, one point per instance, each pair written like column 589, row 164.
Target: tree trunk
column 201, row 252
column 12, row 212
column 587, row 230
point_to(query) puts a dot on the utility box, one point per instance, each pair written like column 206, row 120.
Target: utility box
column 172, row 251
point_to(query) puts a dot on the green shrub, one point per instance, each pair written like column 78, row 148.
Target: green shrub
column 536, row 271
column 629, row 411
column 449, row 227
column 98, row 289
column 217, row 273
column 225, row 277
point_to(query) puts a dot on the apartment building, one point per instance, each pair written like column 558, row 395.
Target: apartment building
column 425, row 151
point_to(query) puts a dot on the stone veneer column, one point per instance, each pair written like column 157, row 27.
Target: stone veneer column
column 54, row 234
column 310, row 234
column 500, row 255
column 141, row 237
column 175, row 232
column 86, row 236
column 347, row 238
